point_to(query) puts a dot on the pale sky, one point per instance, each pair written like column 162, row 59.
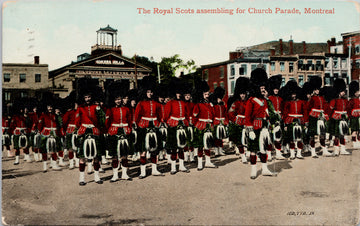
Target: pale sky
column 59, row 30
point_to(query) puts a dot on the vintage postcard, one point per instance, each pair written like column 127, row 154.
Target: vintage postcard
column 169, row 112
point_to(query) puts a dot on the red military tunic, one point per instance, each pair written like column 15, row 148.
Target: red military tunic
column 190, row 107
column 220, row 114
column 338, row 107
column 69, row 121
column 295, row 110
column 18, row 123
column 277, row 103
column 354, row 108
column 317, row 104
column 175, row 111
column 86, row 118
column 256, row 111
column 34, row 117
column 146, row 111
column 116, row 118
column 203, row 113
column 5, row 124
column 237, row 112
column 47, row 123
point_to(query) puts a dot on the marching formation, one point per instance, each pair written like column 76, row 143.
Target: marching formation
column 180, row 122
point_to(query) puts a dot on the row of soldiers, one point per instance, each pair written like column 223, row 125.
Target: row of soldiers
column 180, row 123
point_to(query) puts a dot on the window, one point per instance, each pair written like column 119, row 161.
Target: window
column 291, row 66
column 243, row 69
column 23, row 94
column 37, row 77
column 232, row 87
column 272, row 65
column 215, row 85
column 282, row 66
column 336, row 75
column 282, row 82
column 22, row 77
column 327, row 80
column 6, row 77
column 221, row 72
column 335, row 63
column 357, row 63
column 232, row 70
column 326, row 62
column 253, row 67
column 357, row 49
column 206, row 75
column 222, row 84
column 7, row 96
column 318, row 67
column 301, row 80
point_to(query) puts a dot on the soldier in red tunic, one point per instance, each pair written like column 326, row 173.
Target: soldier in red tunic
column 354, row 113
column 162, row 98
column 295, row 117
column 189, row 149
column 176, row 118
column 35, row 136
column 49, row 127
column 257, row 122
column 69, row 129
column 203, row 118
column 147, row 117
column 132, row 102
column 118, row 124
column 277, row 102
column 88, row 119
column 221, row 119
column 237, row 105
column 318, row 116
column 339, row 117
column 20, row 128
column 6, row 135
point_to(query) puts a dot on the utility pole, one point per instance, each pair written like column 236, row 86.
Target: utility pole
column 158, row 71
column 136, row 79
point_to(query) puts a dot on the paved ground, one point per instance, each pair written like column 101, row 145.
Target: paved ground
column 322, row 191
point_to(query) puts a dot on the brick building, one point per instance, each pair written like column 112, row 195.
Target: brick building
column 352, row 39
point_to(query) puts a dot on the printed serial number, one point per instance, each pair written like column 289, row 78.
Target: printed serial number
column 300, row 213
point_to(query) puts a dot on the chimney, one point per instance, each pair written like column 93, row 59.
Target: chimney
column 304, row 47
column 272, row 51
column 328, row 45
column 281, row 47
column 36, row 60
column 291, row 46
column 333, row 41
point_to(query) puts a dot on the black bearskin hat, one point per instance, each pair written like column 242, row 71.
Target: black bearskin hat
column 187, row 88
column 116, row 89
column 147, row 83
column 315, row 83
column 89, row 86
column 162, row 91
column 290, row 88
column 48, row 99
column 258, row 78
column 69, row 101
column 339, row 85
column 274, row 83
column 305, row 90
column 219, row 92
column 328, row 93
column 133, row 94
column 176, row 85
column 200, row 88
column 353, row 88
column 241, row 86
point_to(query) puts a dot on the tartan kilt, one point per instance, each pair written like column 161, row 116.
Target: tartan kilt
column 31, row 139
column 235, row 133
column 171, row 142
column 354, row 124
column 334, row 127
column 80, row 143
column 199, row 136
column 16, row 139
column 253, row 145
column 112, row 142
